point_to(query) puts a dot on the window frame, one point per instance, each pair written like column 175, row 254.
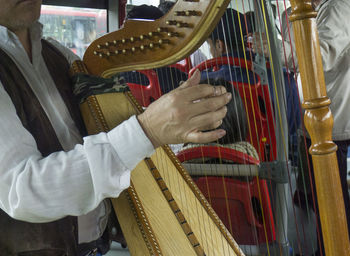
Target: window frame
column 100, row 4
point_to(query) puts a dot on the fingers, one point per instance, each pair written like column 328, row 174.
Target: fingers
column 193, row 80
column 211, row 104
column 202, row 91
column 219, row 90
column 209, row 120
column 212, row 126
column 206, row 137
column 181, row 115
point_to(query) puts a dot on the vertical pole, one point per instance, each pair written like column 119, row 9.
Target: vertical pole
column 281, row 130
column 319, row 123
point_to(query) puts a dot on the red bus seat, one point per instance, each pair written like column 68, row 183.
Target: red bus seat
column 149, row 93
column 243, row 206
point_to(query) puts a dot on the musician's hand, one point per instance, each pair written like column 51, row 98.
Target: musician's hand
column 260, row 44
column 185, row 113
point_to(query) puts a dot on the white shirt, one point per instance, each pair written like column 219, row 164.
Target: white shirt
column 334, row 37
column 71, row 182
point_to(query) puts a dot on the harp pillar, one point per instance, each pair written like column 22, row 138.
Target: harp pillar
column 319, row 123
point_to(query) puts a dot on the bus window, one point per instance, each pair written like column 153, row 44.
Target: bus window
column 73, row 27
column 139, row 2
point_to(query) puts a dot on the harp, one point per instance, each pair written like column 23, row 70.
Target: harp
column 176, row 35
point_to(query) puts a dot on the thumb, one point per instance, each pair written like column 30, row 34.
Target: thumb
column 193, row 80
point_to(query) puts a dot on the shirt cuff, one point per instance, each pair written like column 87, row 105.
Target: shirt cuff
column 130, row 142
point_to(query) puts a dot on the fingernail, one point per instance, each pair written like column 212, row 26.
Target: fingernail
column 228, row 96
column 221, row 133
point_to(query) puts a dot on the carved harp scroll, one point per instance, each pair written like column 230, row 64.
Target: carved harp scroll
column 319, row 123
column 162, row 212
column 144, row 45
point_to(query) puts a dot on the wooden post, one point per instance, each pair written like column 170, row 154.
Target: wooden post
column 319, row 123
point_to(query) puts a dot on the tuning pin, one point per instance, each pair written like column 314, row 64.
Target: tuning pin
column 115, row 42
column 171, row 22
column 182, row 25
column 173, row 34
column 95, row 53
column 124, row 51
column 100, row 55
column 154, row 33
column 151, row 45
column 180, row 13
column 108, row 54
column 133, row 49
column 163, row 41
column 107, row 44
column 161, row 29
column 193, row 13
column 132, row 39
column 142, row 47
column 123, row 40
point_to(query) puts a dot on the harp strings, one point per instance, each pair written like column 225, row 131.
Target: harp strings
column 251, row 127
column 278, row 120
column 303, row 172
column 300, row 233
column 249, row 51
column 276, row 95
column 244, row 57
column 279, row 113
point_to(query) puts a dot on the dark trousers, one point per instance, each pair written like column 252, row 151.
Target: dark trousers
column 303, row 182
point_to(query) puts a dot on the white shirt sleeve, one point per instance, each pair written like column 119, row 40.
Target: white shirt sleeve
column 41, row 189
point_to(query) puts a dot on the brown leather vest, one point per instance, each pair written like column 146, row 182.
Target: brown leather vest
column 58, row 238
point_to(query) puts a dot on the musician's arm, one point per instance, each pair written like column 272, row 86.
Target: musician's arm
column 40, row 189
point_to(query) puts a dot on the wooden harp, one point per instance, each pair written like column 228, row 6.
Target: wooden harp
column 173, row 37
column 163, row 212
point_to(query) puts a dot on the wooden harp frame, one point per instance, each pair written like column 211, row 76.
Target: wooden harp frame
column 177, row 35
column 319, row 123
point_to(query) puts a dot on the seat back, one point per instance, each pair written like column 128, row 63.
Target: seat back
column 149, row 85
column 243, row 206
column 144, row 85
column 257, row 102
column 184, row 65
column 169, row 78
